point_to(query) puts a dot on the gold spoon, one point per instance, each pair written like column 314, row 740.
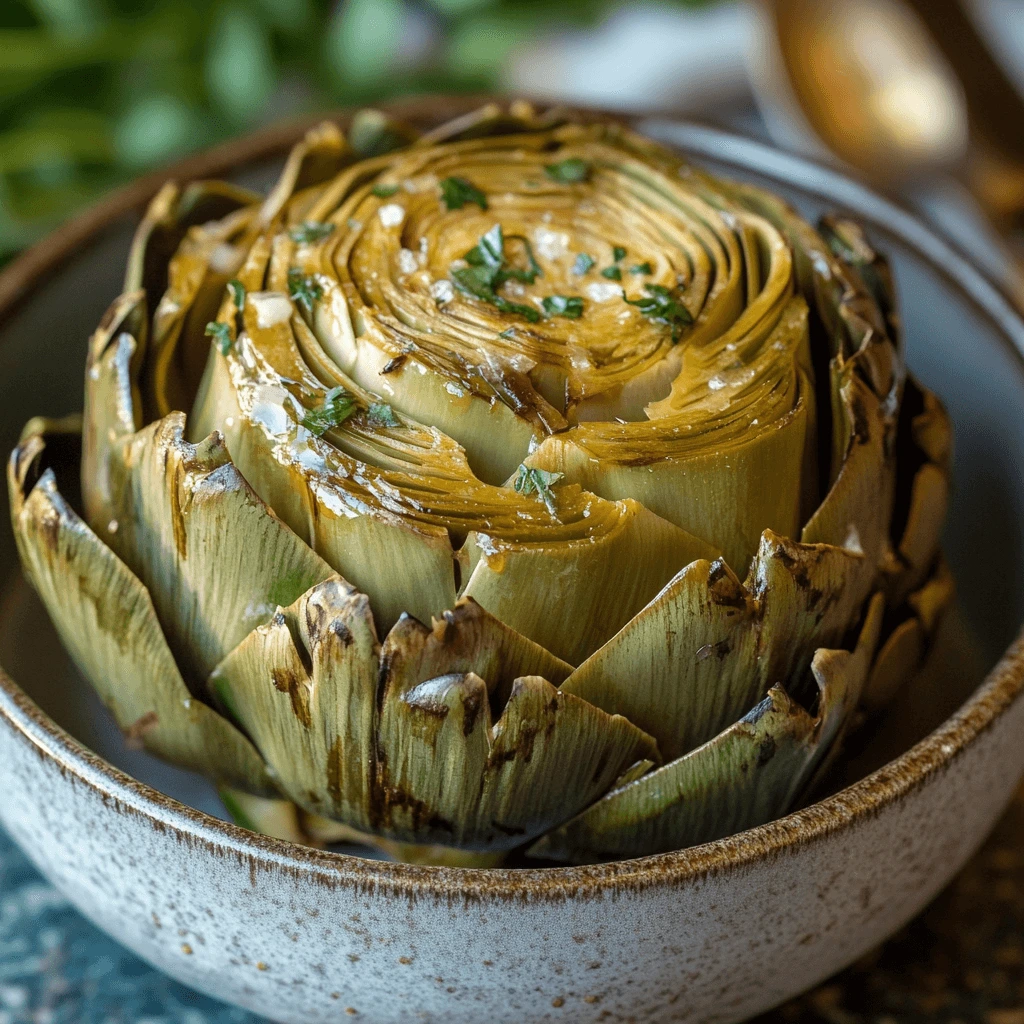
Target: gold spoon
column 870, row 81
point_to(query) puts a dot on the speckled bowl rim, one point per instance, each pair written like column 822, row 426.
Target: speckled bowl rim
column 888, row 785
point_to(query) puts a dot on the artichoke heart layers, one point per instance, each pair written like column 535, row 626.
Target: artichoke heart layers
column 511, row 486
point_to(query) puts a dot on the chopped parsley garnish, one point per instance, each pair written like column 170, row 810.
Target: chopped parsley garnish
column 381, row 414
column 569, row 306
column 221, row 335
column 490, row 252
column 489, row 269
column 612, row 273
column 539, row 482
column 532, row 271
column 477, row 282
column 583, row 263
column 661, row 305
column 384, row 191
column 304, row 290
column 509, row 332
column 456, row 192
column 237, row 290
column 337, row 407
column 641, row 268
column 568, row 172
column 618, row 253
column 310, row 231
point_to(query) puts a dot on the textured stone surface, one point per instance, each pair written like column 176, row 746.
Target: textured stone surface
column 57, row 968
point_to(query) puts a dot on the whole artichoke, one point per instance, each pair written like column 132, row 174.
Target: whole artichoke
column 537, row 491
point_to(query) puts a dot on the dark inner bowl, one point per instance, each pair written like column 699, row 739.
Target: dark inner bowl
column 961, row 340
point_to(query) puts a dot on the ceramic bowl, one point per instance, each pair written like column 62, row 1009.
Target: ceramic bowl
column 714, row 933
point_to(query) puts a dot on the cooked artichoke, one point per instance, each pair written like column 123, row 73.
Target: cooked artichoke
column 516, row 486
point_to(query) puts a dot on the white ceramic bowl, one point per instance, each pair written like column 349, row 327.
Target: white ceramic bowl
column 714, row 933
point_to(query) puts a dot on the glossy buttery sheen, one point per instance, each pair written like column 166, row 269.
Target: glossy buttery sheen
column 715, row 933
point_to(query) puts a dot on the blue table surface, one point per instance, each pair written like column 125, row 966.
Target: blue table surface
column 57, row 968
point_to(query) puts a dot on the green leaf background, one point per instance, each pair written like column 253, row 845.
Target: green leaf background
column 93, row 92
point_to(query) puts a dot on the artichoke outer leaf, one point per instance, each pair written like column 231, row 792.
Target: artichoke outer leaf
column 931, row 428
column 303, row 686
column 279, row 819
column 215, row 559
column 324, row 832
column 207, row 258
column 108, row 624
column 113, row 408
column 924, row 455
column 901, row 655
column 735, row 781
column 454, row 779
column 448, row 774
column 466, row 639
column 431, row 769
column 855, row 513
column 707, row 647
column 808, row 596
column 685, row 666
column 851, row 246
column 749, row 774
column 904, row 651
column 929, row 499
column 573, row 597
column 182, row 257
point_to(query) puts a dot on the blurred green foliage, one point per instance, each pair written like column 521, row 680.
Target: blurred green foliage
column 94, row 91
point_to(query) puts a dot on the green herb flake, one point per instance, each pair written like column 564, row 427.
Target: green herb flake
column 532, row 271
column 569, row 306
column 618, row 253
column 221, row 334
column 476, row 282
column 612, row 273
column 489, row 251
column 641, row 268
column 304, row 290
column 583, row 264
column 489, row 269
column 384, row 191
column 509, row 332
column 310, row 231
column 380, row 414
column 661, row 305
column 237, row 290
column 539, row 482
column 337, row 406
column 456, row 192
column 568, row 172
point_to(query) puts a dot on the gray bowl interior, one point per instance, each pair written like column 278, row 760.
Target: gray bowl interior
column 962, row 350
